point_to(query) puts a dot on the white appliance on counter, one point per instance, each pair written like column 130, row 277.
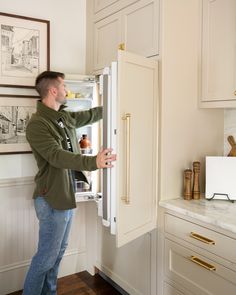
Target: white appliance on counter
column 129, row 93
column 220, row 178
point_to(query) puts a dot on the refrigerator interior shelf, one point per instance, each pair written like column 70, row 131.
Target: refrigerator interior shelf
column 84, row 197
column 79, row 99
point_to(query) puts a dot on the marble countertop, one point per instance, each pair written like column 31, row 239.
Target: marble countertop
column 219, row 213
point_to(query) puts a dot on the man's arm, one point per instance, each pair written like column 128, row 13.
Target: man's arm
column 83, row 118
column 49, row 148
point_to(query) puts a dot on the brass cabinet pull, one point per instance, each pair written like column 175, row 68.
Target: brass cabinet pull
column 235, row 92
column 202, row 239
column 121, row 46
column 202, row 263
column 126, row 198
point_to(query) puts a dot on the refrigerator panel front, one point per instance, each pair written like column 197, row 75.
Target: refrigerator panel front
column 136, row 210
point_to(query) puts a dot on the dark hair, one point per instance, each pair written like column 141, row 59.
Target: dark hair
column 45, row 80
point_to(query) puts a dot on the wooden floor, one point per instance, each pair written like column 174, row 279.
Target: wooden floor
column 83, row 284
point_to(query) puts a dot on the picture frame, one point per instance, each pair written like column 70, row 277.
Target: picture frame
column 15, row 113
column 24, row 49
column 18, row 92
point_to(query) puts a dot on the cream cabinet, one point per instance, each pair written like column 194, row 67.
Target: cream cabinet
column 196, row 272
column 196, row 259
column 134, row 28
column 103, row 8
column 170, row 290
column 218, row 54
column 140, row 28
column 107, row 36
column 102, row 4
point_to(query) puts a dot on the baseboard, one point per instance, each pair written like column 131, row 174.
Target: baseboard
column 12, row 276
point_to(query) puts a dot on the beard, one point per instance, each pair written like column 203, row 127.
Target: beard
column 61, row 100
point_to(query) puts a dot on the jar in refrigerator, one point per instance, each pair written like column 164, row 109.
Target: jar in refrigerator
column 84, row 142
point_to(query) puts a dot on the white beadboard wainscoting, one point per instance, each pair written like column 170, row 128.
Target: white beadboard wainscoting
column 19, row 235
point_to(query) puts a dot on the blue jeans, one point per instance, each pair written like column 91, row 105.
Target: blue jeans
column 54, row 228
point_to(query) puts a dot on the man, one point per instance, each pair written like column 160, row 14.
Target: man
column 52, row 137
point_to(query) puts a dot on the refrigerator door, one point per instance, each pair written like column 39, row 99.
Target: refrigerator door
column 137, row 148
column 130, row 104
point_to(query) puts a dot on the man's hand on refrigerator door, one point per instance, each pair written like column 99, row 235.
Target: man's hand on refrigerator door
column 105, row 158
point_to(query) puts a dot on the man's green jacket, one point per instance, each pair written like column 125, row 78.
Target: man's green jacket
column 47, row 139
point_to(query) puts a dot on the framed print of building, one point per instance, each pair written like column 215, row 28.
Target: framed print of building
column 14, row 116
column 24, row 49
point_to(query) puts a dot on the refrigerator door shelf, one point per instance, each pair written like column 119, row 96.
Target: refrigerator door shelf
column 113, row 136
column 105, row 82
column 84, row 197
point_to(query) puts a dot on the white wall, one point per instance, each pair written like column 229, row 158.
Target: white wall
column 67, row 44
column 18, row 225
column 68, row 29
column 229, row 128
column 19, row 235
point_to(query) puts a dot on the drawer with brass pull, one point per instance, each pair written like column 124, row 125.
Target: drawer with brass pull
column 200, row 236
column 196, row 272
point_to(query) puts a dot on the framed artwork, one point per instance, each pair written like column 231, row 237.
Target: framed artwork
column 18, row 92
column 14, row 116
column 24, row 49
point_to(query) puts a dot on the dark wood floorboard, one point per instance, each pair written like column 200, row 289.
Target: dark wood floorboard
column 82, row 284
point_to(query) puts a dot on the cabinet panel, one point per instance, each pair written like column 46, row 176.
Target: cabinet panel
column 170, row 290
column 137, row 146
column 105, row 8
column 101, row 4
column 140, row 32
column 136, row 26
column 207, row 239
column 129, row 266
column 218, row 51
column 210, row 278
column 107, row 34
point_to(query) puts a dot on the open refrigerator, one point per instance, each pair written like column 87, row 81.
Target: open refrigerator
column 127, row 193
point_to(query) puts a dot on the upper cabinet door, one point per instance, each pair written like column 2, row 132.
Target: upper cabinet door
column 140, row 27
column 137, row 147
column 107, row 37
column 219, row 53
column 134, row 28
column 101, row 4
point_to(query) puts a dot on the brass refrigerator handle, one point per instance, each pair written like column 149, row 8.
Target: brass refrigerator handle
column 202, row 263
column 202, row 239
column 121, row 46
column 126, row 198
